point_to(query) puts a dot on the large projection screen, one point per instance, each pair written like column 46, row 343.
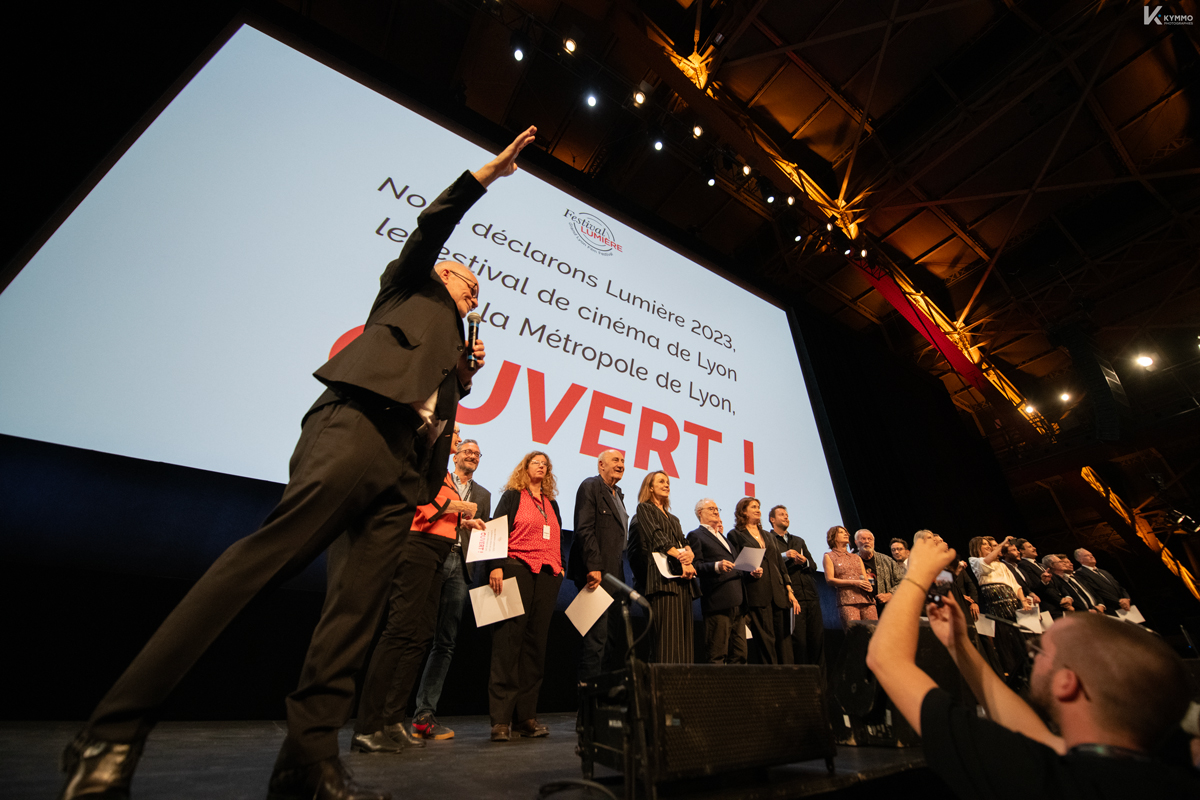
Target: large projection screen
column 178, row 313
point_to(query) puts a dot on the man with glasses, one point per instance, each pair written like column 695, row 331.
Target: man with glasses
column 455, row 585
column 1113, row 692
column 601, row 527
column 372, row 449
column 722, row 595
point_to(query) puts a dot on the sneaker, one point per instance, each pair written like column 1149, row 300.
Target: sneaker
column 425, row 726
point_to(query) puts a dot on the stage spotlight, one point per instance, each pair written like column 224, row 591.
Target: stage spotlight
column 829, row 226
column 863, row 252
column 745, row 169
column 639, row 98
column 849, row 250
column 1029, row 409
column 569, row 45
column 591, row 99
column 697, row 131
column 519, row 43
column 1145, row 361
column 708, row 172
column 1064, row 397
column 657, row 139
column 791, row 200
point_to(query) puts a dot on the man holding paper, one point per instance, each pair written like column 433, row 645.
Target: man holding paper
column 768, row 588
column 455, row 582
column 722, row 597
column 1101, row 583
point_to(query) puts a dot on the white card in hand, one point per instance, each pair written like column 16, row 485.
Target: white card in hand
column 1132, row 615
column 489, row 543
column 587, row 607
column 749, row 559
column 660, row 560
column 1029, row 620
column 985, row 627
column 490, row 607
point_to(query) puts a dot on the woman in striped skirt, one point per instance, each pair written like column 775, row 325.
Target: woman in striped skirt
column 654, row 529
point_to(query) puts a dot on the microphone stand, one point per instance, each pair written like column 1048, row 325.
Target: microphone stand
column 637, row 720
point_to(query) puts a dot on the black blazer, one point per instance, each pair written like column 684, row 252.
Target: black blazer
column 804, row 586
column 413, row 336
column 1028, row 585
column 1104, row 587
column 653, row 530
column 771, row 588
column 510, row 501
column 599, row 543
column 1056, row 591
column 719, row 591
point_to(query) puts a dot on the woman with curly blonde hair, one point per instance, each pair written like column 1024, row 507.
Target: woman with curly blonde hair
column 535, row 560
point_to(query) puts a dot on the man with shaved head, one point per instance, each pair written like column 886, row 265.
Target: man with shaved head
column 601, row 527
column 372, row 449
column 1103, row 695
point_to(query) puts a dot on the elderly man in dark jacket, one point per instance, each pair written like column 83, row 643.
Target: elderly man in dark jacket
column 722, row 598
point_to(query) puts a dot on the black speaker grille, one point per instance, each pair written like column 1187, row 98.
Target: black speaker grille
column 710, row 719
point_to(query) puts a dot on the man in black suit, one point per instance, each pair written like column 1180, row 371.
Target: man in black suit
column 456, row 582
column 601, row 526
column 372, row 448
column 1101, row 583
column 808, row 638
column 721, row 592
column 1029, row 585
column 1062, row 595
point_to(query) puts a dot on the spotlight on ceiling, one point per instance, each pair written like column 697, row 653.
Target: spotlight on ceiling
column 708, row 172
column 591, row 99
column 519, row 43
column 799, row 236
column 697, row 131
column 829, row 226
column 848, row 251
column 1145, row 361
column 639, row 97
column 863, row 252
column 1029, row 409
column 791, row 200
column 569, row 45
column 1065, row 396
column 745, row 169
column 657, row 138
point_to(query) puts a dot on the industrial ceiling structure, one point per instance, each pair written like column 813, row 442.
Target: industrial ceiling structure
column 1004, row 193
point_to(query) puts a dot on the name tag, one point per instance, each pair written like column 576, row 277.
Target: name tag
column 546, row 532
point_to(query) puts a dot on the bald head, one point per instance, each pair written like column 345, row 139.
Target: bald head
column 611, row 466
column 461, row 283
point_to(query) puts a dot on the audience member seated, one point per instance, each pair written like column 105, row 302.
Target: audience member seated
column 1110, row 691
column 1100, row 583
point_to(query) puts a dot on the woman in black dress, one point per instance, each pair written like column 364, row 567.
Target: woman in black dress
column 769, row 595
column 655, row 530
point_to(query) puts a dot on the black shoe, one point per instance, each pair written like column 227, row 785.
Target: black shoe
column 400, row 733
column 500, row 732
column 98, row 769
column 377, row 742
column 324, row 780
column 531, row 729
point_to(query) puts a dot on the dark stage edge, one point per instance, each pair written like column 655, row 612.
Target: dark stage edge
column 232, row 761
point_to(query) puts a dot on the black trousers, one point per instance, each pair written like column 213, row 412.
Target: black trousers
column 354, row 470
column 407, row 634
column 725, row 637
column 769, row 626
column 519, row 645
column 808, row 640
column 603, row 645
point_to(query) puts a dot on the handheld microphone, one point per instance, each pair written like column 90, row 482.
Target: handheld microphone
column 620, row 589
column 473, row 320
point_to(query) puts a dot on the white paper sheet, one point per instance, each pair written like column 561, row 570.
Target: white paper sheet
column 587, row 607
column 749, row 635
column 489, row 543
column 1029, row 620
column 660, row 560
column 1132, row 615
column 490, row 607
column 749, row 559
column 1047, row 620
column 985, row 627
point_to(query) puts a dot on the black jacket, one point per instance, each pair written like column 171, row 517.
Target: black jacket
column 771, row 588
column 804, row 586
column 719, row 591
column 599, row 542
column 509, row 503
column 1104, row 587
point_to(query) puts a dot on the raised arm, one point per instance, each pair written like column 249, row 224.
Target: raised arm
column 504, row 164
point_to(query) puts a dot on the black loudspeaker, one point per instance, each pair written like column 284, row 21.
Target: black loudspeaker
column 695, row 719
column 863, row 714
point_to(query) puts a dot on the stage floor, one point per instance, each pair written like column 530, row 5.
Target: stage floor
column 232, row 761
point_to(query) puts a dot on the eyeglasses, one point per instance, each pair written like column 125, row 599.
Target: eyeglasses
column 538, row 463
column 475, row 453
column 473, row 286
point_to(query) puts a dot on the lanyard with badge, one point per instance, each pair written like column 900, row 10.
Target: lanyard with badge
column 541, row 507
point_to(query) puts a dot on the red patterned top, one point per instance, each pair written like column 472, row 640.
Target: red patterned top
column 526, row 540
column 849, row 567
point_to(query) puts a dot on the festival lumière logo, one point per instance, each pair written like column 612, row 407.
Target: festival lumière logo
column 593, row 232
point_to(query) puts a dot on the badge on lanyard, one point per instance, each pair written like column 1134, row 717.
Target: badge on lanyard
column 546, row 532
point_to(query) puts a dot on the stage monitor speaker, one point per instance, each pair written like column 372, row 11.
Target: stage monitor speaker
column 703, row 719
column 863, row 714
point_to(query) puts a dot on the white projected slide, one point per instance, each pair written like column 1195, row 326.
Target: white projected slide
column 178, row 314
